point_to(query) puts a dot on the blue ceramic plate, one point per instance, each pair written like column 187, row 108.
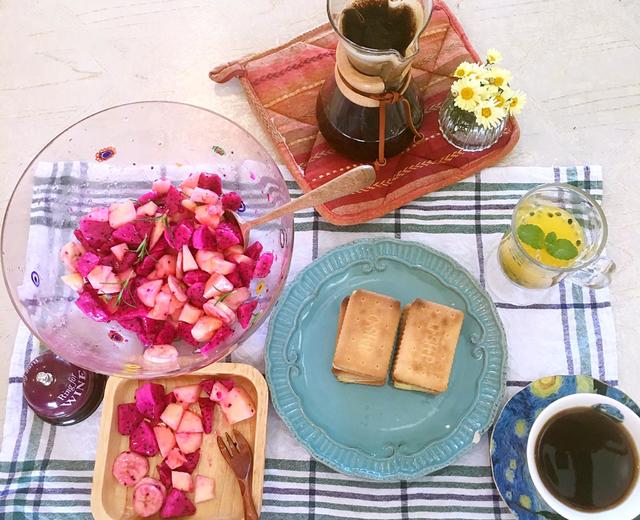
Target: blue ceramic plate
column 381, row 432
column 511, row 432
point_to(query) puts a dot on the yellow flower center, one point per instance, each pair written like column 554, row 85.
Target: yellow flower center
column 459, row 73
column 498, row 81
column 499, row 101
column 514, row 101
column 466, row 93
column 486, row 112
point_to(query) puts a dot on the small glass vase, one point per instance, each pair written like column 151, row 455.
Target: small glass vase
column 460, row 128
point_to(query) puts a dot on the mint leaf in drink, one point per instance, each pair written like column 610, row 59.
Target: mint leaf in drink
column 531, row 235
column 562, row 249
column 550, row 241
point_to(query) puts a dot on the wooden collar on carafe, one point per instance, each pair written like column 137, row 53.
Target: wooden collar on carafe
column 369, row 91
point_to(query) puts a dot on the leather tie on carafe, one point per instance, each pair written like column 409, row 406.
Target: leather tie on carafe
column 387, row 98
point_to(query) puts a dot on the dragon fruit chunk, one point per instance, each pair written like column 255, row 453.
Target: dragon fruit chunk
column 254, row 250
column 146, row 197
column 195, row 293
column 127, row 262
column 177, row 504
column 207, row 385
column 184, row 331
column 203, row 238
column 150, row 400
column 246, row 271
column 191, row 463
column 210, row 181
column 173, row 201
column 95, row 232
column 263, row 265
column 225, row 236
column 164, row 473
column 235, row 279
column 206, row 410
column 143, row 440
column 196, row 276
column 128, row 234
column 231, row 201
column 87, row 262
column 245, row 312
column 90, row 304
column 166, row 335
column 128, row 418
column 221, row 335
column 146, row 267
column 228, row 383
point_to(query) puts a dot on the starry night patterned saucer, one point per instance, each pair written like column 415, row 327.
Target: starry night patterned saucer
column 509, row 439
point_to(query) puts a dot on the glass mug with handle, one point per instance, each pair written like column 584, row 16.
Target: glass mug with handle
column 557, row 231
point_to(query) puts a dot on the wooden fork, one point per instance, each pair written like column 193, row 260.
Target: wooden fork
column 238, row 455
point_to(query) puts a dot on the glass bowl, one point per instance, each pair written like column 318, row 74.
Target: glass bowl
column 116, row 154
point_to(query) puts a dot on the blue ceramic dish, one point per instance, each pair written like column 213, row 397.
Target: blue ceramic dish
column 511, row 432
column 381, row 432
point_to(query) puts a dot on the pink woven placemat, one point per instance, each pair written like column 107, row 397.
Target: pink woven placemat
column 282, row 85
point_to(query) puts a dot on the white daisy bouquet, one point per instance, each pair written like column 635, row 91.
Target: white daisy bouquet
column 483, row 89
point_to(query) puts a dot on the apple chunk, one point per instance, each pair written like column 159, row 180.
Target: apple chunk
column 189, row 442
column 205, row 489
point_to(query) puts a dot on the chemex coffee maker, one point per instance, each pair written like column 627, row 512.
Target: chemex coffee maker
column 370, row 109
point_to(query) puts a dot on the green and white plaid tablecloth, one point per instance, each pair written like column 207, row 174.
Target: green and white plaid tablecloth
column 45, row 472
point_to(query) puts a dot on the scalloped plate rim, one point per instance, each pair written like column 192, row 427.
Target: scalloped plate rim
column 489, row 419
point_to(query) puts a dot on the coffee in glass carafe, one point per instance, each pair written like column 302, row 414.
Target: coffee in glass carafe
column 369, row 109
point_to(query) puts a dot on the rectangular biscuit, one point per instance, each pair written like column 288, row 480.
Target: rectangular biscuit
column 428, row 338
column 367, row 329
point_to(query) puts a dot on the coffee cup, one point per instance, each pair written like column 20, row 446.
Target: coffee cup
column 584, row 406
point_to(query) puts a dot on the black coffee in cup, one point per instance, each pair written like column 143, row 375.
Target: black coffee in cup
column 586, row 459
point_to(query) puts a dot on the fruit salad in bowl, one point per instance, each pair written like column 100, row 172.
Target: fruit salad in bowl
column 167, row 266
column 116, row 252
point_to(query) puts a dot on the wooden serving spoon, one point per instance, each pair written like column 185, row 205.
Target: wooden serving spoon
column 356, row 179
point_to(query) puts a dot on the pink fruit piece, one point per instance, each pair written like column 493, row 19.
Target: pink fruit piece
column 167, row 334
column 95, row 232
column 177, row 504
column 192, row 461
column 225, row 236
column 146, row 267
column 216, row 285
column 164, row 473
column 87, row 262
column 160, row 353
column 129, row 468
column 173, row 201
column 128, row 234
column 203, row 196
column 150, row 400
column 172, row 415
column 148, row 497
column 207, row 385
column 128, row 418
column 178, row 236
column 188, row 442
column 177, row 288
column 191, row 422
column 254, row 250
column 166, row 440
column 190, row 182
column 143, row 441
column 190, row 314
column 144, row 228
column 246, row 273
column 184, row 331
column 237, row 297
column 121, row 213
column 83, row 240
column 231, row 201
column 205, row 489
column 127, row 262
column 160, row 247
column 92, row 305
column 175, row 458
column 245, row 312
column 135, row 325
column 195, row 294
column 206, row 409
column 106, row 260
column 220, row 311
column 263, row 265
column 147, row 292
column 210, row 181
column 161, row 186
column 172, row 399
column 203, row 238
column 186, row 395
column 221, row 335
column 195, row 276
column 228, row 383
column 152, row 327
column 219, row 392
column 154, row 482
column 237, row 406
column 205, row 327
column 146, row 197
column 181, row 480
column 235, row 279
